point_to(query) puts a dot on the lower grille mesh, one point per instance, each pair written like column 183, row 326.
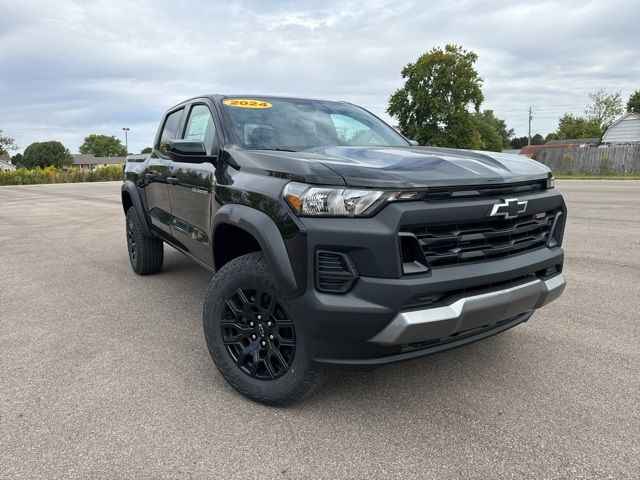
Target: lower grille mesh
column 334, row 272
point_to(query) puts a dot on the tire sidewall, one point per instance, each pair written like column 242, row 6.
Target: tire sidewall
column 253, row 274
column 149, row 250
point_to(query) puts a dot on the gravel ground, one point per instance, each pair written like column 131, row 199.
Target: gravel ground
column 105, row 374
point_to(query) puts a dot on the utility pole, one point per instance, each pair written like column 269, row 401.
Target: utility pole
column 530, row 118
column 126, row 136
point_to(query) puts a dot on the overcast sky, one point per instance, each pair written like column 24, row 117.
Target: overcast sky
column 71, row 68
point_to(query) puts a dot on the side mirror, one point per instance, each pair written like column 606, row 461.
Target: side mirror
column 186, row 151
column 414, row 143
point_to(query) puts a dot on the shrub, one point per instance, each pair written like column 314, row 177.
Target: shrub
column 110, row 172
column 52, row 174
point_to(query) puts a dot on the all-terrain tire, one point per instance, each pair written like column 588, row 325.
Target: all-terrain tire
column 246, row 274
column 145, row 253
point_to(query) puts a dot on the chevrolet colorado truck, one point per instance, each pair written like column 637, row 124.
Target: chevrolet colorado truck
column 335, row 241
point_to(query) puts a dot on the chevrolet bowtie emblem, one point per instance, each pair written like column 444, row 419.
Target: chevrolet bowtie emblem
column 510, row 208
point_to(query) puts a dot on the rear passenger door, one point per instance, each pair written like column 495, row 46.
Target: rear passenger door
column 192, row 188
column 157, row 172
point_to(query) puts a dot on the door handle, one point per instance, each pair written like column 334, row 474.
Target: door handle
column 172, row 180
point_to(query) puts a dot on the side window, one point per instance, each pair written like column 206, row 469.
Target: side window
column 352, row 132
column 170, row 129
column 200, row 127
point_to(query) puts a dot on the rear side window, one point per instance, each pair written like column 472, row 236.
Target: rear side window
column 200, row 127
column 170, row 129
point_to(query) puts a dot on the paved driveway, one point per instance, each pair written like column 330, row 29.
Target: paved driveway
column 105, row 374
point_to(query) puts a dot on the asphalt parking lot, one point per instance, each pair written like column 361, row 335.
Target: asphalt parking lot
column 105, row 374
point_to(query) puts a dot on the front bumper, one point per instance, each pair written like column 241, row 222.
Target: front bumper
column 374, row 324
column 470, row 312
column 388, row 316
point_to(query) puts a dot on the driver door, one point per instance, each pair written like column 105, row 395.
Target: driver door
column 156, row 175
column 192, row 187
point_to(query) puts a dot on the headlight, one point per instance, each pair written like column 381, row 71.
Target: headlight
column 308, row 200
column 342, row 202
column 551, row 182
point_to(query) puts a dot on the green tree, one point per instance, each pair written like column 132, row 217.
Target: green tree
column 537, row 139
column 519, row 142
column 493, row 131
column 103, row 146
column 489, row 138
column 6, row 144
column 633, row 105
column 432, row 106
column 604, row 108
column 146, row 150
column 17, row 160
column 570, row 126
column 551, row 136
column 44, row 154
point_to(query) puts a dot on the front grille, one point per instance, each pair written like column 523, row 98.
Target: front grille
column 486, row 190
column 334, row 272
column 449, row 244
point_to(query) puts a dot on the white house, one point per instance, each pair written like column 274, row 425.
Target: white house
column 624, row 130
column 7, row 167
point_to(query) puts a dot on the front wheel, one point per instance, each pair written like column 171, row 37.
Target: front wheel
column 254, row 342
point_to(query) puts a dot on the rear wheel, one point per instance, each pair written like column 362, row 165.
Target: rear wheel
column 252, row 338
column 145, row 253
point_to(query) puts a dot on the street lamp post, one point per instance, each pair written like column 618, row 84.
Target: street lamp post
column 126, row 138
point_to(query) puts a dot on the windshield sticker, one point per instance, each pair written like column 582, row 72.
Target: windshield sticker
column 246, row 103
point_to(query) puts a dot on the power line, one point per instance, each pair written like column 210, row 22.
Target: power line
column 519, row 125
column 538, row 110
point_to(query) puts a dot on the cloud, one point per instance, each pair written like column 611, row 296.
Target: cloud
column 71, row 68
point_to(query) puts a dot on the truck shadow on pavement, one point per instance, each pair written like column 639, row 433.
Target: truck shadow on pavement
column 460, row 373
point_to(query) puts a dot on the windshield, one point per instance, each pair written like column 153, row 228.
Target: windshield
column 291, row 124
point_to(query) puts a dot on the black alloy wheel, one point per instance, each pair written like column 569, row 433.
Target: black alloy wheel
column 249, row 328
column 131, row 241
column 258, row 333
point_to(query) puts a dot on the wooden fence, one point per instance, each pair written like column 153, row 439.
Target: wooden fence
column 616, row 160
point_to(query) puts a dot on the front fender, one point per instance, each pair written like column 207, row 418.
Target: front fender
column 265, row 231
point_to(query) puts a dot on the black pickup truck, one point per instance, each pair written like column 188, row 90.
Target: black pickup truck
column 337, row 242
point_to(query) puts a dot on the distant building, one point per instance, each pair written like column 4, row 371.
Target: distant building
column 6, row 166
column 530, row 150
column 88, row 162
column 625, row 130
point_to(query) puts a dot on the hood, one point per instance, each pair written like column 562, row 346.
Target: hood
column 393, row 167
column 411, row 167
column 297, row 166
